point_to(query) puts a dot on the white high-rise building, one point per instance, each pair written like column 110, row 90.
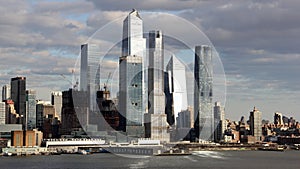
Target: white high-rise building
column 219, row 122
column 2, row 113
column 56, row 100
column 131, row 84
column 177, row 86
column 133, row 42
column 5, row 92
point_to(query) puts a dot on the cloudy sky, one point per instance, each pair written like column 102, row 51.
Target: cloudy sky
column 257, row 41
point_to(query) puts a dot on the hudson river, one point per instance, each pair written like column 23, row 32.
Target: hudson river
column 203, row 159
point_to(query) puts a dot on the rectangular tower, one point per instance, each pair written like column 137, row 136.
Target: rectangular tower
column 5, row 92
column 256, row 124
column 219, row 122
column 156, row 120
column 2, row 113
column 176, row 91
column 31, row 109
column 203, row 93
column 131, row 94
column 131, row 74
column 56, row 100
column 18, row 95
column 90, row 82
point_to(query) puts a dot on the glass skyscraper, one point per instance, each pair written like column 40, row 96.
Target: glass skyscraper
column 156, row 120
column 18, row 95
column 255, row 124
column 203, row 93
column 219, row 116
column 156, row 74
column 5, row 92
column 176, row 77
column 133, row 42
column 31, row 109
column 131, row 76
column 56, row 100
column 90, row 78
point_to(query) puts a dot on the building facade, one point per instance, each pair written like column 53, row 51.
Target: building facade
column 69, row 120
column 56, row 101
column 175, row 89
column 31, row 109
column 18, row 95
column 6, row 92
column 203, row 93
column 89, row 85
column 219, row 122
column 156, row 125
column 2, row 113
column 131, row 74
column 278, row 120
column 256, row 124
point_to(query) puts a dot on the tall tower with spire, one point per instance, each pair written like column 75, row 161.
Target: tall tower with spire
column 131, row 76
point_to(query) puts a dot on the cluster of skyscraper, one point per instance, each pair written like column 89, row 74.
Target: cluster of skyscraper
column 152, row 100
column 20, row 106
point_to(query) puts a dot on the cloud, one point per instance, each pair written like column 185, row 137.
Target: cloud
column 66, row 7
column 157, row 5
column 258, row 41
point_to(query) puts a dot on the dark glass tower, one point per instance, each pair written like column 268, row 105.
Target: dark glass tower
column 18, row 95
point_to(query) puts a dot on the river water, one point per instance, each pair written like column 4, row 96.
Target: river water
column 202, row 159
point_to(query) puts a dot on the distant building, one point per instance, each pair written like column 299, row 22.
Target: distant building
column 131, row 76
column 56, row 101
column 6, row 92
column 17, row 139
column 5, row 130
column 156, row 125
column 31, row 109
column 219, row 122
column 27, row 138
column 69, row 120
column 256, row 125
column 203, row 93
column 18, row 95
column 46, row 119
column 176, row 91
column 278, row 119
column 110, row 120
column 89, row 83
column 184, row 119
column 11, row 117
column 2, row 113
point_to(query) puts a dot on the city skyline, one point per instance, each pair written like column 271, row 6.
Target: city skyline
column 258, row 74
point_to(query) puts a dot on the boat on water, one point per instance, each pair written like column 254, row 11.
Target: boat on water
column 267, row 147
column 295, row 147
column 83, row 152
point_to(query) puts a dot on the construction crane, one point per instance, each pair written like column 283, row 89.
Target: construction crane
column 105, row 84
column 74, row 86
